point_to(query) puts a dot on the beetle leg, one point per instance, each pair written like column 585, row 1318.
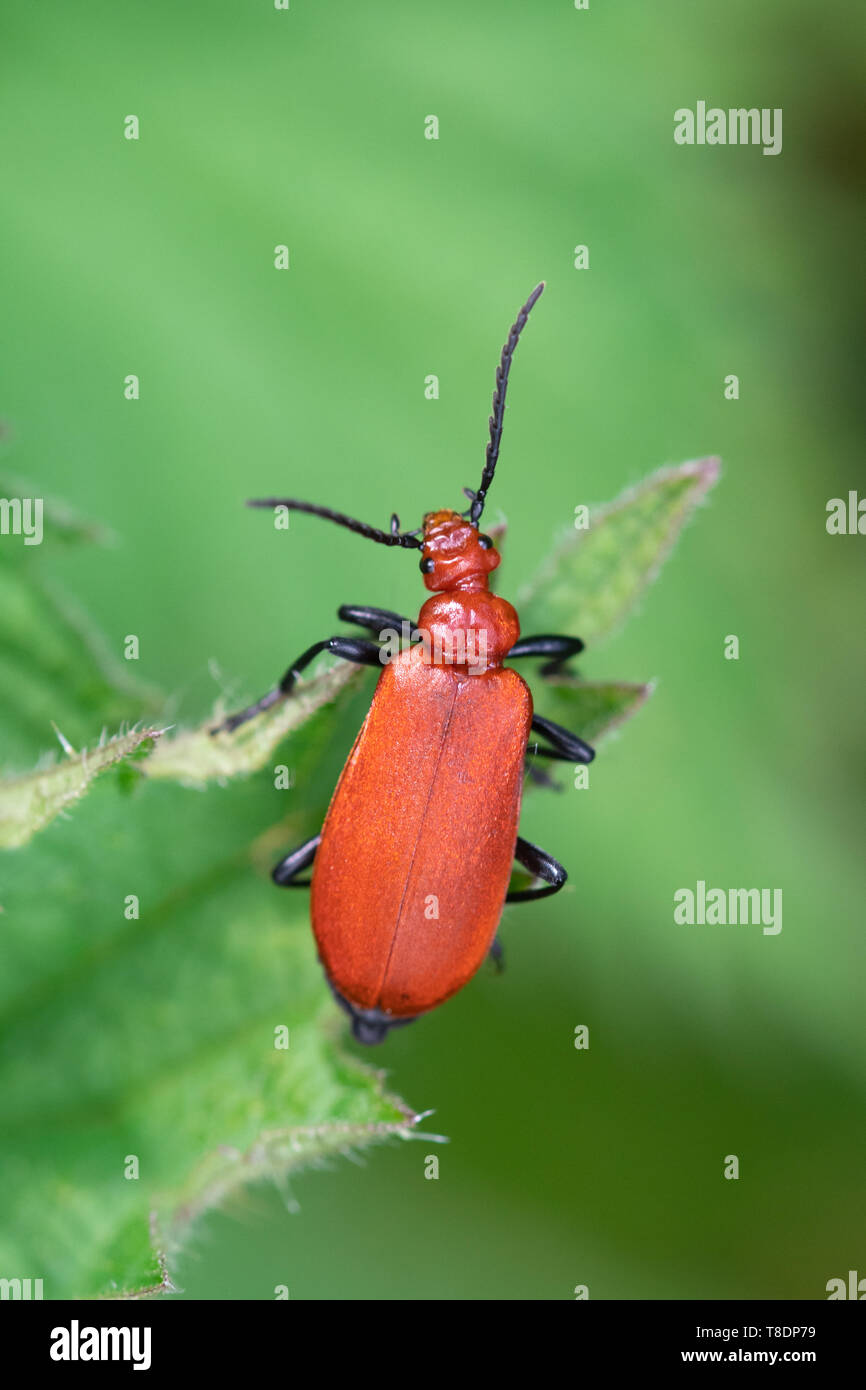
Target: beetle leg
column 497, row 955
column 566, row 747
column 556, row 648
column 537, row 775
column 356, row 649
column 542, row 865
column 295, row 863
column 373, row 619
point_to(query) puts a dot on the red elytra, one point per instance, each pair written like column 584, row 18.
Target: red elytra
column 412, row 865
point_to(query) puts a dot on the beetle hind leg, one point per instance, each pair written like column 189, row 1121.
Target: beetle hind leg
column 564, row 746
column 496, row 955
column 542, row 865
column 295, row 863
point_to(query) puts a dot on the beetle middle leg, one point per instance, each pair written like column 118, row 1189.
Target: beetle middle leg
column 295, row 862
column 554, row 646
column 356, row 649
column 542, row 865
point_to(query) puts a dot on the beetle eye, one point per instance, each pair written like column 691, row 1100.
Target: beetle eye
column 426, row 566
column 485, row 542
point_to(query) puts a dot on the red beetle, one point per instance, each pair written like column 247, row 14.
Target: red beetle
column 412, row 866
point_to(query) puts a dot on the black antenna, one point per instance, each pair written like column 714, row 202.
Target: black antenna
column 479, row 497
column 406, row 539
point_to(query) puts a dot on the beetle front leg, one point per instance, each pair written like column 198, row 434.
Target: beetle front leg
column 373, row 619
column 542, row 865
column 356, row 649
column 294, row 863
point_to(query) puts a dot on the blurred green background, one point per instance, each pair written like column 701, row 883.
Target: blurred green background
column 410, row 257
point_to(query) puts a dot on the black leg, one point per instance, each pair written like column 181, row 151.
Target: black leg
column 542, row 865
column 538, row 776
column 356, row 649
column 295, row 863
column 566, row 747
column 373, row 619
column 556, row 648
column 497, row 955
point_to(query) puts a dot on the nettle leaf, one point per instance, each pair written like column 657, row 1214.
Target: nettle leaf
column 596, row 575
column 149, row 969
column 197, row 756
column 58, row 521
column 29, row 802
column 592, row 708
column 166, row 1037
column 55, row 666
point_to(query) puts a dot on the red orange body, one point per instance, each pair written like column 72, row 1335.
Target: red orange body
column 416, row 853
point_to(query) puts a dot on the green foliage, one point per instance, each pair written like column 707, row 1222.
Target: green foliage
column 154, row 1035
column 150, row 972
column 595, row 708
column 146, row 1029
column 56, row 667
column 198, row 756
column 596, row 576
column 28, row 803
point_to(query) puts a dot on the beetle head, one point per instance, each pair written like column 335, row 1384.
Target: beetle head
column 456, row 554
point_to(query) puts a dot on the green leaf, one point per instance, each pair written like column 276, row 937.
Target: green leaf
column 60, row 521
column 595, row 576
column 198, row 756
column 147, row 962
column 29, row 802
column 591, row 709
column 151, row 1038
column 55, row 666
